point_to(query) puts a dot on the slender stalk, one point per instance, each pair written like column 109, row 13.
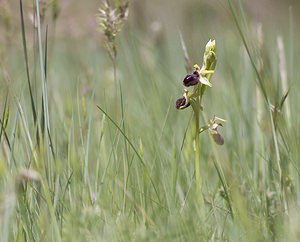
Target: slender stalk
column 198, row 177
column 197, row 153
column 116, row 81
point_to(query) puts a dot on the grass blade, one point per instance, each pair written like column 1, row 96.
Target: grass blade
column 26, row 63
column 125, row 136
column 247, row 47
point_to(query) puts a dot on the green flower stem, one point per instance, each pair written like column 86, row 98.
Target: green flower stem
column 197, row 154
column 198, row 178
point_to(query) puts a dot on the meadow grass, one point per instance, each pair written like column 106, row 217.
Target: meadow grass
column 96, row 151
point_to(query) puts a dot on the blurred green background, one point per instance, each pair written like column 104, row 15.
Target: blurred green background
column 97, row 187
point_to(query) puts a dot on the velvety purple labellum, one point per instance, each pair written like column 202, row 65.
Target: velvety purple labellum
column 191, row 79
column 181, row 103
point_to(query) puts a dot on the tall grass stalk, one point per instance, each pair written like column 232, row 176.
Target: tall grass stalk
column 33, row 109
column 282, row 66
column 110, row 20
column 43, row 75
column 273, row 110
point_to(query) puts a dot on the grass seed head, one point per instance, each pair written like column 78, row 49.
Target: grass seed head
column 110, row 22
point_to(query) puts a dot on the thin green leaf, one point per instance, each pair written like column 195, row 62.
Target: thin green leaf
column 26, row 63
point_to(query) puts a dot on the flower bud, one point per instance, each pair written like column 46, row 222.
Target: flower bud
column 210, row 46
column 210, row 55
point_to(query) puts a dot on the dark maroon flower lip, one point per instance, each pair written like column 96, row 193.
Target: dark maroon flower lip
column 181, row 103
column 191, row 79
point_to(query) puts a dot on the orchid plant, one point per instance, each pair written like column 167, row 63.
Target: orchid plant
column 196, row 84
